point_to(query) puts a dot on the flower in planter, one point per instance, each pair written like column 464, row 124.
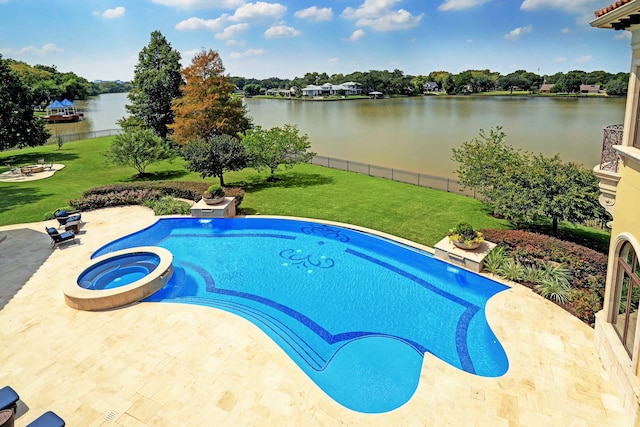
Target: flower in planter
column 465, row 234
column 213, row 192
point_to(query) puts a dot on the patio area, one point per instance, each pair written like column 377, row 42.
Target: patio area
column 35, row 172
column 157, row 364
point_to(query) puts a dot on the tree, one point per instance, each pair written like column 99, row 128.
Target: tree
column 252, row 89
column 523, row 187
column 138, row 148
column 18, row 126
column 208, row 108
column 156, row 83
column 617, row 86
column 271, row 148
column 215, row 156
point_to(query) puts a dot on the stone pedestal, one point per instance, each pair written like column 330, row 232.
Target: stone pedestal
column 225, row 209
column 469, row 259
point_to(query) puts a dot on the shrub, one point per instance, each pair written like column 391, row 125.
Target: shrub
column 168, row 205
column 532, row 274
column 495, row 259
column 574, row 276
column 585, row 304
column 464, row 233
column 511, row 270
column 237, row 193
column 554, row 290
column 214, row 191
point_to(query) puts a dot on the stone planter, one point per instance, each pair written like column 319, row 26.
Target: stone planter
column 214, row 200
column 467, row 247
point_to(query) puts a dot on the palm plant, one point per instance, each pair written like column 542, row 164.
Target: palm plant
column 554, row 290
column 511, row 270
column 495, row 259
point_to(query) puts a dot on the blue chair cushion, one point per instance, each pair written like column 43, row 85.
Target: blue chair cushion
column 48, row 419
column 52, row 230
column 8, row 397
column 61, row 213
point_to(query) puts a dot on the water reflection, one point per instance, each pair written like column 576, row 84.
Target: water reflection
column 415, row 134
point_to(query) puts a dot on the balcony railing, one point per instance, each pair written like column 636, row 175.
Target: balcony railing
column 612, row 135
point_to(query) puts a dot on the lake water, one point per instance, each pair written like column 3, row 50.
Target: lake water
column 416, row 134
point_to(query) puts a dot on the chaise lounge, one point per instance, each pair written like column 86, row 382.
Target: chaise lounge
column 8, row 399
column 48, row 419
column 65, row 216
column 57, row 238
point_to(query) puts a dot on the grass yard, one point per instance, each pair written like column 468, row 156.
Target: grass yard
column 419, row 214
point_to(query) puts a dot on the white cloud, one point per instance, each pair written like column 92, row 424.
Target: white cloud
column 314, row 14
column 250, row 52
column 232, row 31
column 357, row 35
column 560, row 59
column 201, row 4
column 377, row 15
column 235, row 42
column 333, row 60
column 516, row 33
column 32, row 50
column 571, row 6
column 585, row 58
column 259, row 11
column 461, row 4
column 117, row 12
column 197, row 24
column 281, row 31
column 396, row 20
column 565, row 31
column 369, row 9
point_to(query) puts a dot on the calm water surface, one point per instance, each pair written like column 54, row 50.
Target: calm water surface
column 416, row 134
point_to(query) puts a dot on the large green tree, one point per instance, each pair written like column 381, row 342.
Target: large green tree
column 156, row 84
column 277, row 146
column 215, row 156
column 18, row 126
column 523, row 187
column 138, row 148
column 209, row 107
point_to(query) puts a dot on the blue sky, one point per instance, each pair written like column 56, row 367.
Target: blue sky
column 287, row 38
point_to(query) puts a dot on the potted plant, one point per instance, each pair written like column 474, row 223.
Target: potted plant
column 213, row 195
column 464, row 236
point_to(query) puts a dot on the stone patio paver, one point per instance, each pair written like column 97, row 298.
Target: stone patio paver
column 156, row 364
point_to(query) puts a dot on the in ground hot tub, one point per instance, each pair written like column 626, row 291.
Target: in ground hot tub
column 120, row 278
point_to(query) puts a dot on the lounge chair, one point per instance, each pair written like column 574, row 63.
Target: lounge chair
column 57, row 238
column 8, row 399
column 25, row 170
column 48, row 419
column 65, row 216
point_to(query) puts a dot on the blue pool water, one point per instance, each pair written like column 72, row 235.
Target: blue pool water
column 354, row 311
column 118, row 271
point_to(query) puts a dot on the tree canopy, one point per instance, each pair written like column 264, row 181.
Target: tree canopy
column 18, row 125
column 208, row 108
column 215, row 156
column 138, row 148
column 523, row 187
column 156, row 83
column 277, row 146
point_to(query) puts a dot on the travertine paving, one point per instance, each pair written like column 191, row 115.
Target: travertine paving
column 180, row 365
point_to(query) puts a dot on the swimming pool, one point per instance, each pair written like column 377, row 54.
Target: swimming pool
column 356, row 312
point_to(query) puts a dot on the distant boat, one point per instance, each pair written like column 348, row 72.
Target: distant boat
column 62, row 112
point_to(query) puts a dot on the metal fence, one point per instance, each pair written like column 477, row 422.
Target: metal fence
column 422, row 180
column 68, row 137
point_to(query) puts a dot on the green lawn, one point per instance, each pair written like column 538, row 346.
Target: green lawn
column 418, row 214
